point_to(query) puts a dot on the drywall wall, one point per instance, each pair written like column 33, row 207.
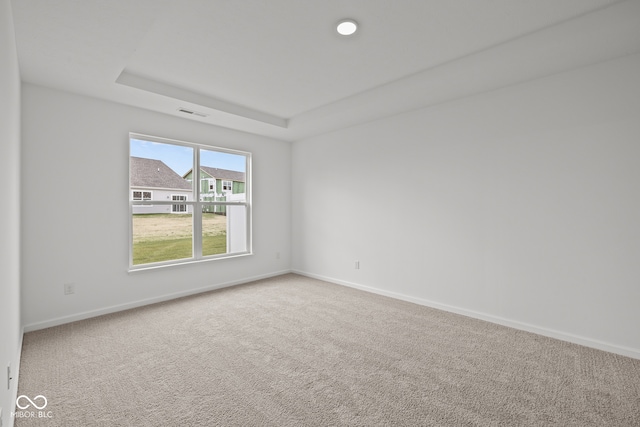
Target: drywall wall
column 10, row 327
column 75, row 207
column 519, row 206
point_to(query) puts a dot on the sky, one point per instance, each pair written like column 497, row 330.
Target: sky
column 180, row 158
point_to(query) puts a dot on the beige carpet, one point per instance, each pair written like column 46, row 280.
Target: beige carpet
column 292, row 351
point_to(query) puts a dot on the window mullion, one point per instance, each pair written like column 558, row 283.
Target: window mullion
column 197, row 207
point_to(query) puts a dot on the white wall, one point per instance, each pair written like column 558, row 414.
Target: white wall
column 521, row 206
column 10, row 327
column 75, row 163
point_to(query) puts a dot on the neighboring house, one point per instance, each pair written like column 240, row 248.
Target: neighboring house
column 153, row 180
column 218, row 185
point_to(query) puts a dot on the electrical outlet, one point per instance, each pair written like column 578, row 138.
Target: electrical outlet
column 357, row 265
column 277, row 255
column 69, row 288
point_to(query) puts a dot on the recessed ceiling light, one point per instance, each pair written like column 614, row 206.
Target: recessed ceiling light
column 347, row 27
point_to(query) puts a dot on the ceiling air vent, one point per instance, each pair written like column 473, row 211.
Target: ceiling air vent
column 191, row 112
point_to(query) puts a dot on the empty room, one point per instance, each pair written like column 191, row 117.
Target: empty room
column 320, row 213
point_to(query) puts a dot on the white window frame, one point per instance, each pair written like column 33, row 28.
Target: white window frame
column 196, row 205
column 227, row 183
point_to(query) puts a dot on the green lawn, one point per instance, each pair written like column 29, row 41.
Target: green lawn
column 164, row 250
column 165, row 237
column 214, row 245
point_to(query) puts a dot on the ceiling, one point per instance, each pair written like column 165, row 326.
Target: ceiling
column 278, row 68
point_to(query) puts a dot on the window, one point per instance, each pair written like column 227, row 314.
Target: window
column 161, row 179
column 142, row 195
column 178, row 208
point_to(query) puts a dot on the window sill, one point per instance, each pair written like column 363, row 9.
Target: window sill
column 151, row 267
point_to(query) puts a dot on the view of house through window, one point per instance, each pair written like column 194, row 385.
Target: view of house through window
column 187, row 201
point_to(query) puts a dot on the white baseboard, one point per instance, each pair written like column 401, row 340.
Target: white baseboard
column 576, row 339
column 120, row 307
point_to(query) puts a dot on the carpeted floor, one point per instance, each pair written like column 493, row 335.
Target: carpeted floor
column 293, row 351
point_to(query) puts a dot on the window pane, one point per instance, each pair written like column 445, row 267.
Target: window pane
column 222, row 175
column 161, row 237
column 214, row 231
column 161, row 232
column 224, row 232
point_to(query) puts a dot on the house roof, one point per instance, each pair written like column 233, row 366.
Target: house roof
column 155, row 173
column 224, row 174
